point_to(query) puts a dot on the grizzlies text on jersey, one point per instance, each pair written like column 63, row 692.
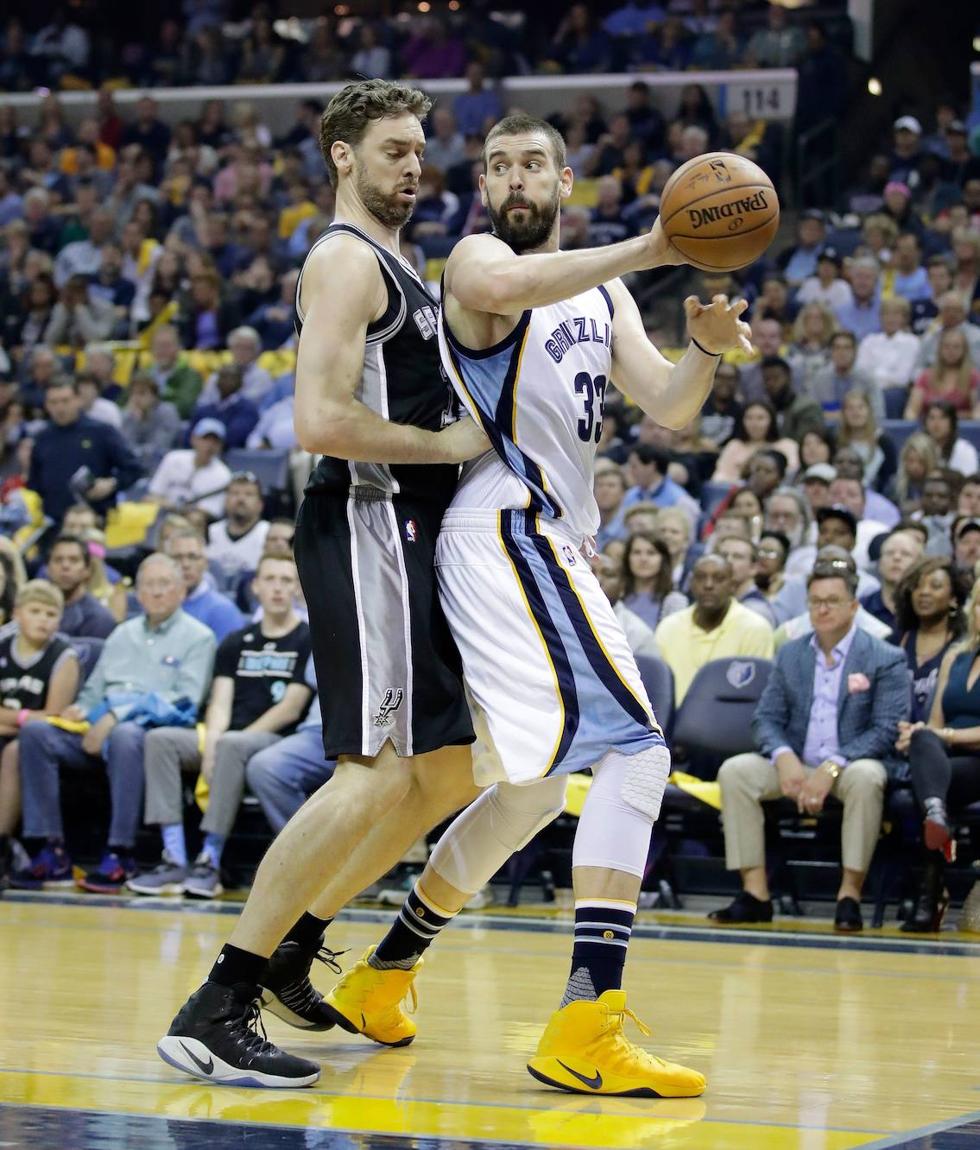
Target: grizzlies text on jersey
column 539, row 396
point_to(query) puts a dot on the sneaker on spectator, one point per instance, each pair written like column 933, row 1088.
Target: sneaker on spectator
column 50, row 868
column 204, row 879
column 167, row 877
column 112, row 875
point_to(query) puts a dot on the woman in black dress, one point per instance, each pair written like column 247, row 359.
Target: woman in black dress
column 944, row 762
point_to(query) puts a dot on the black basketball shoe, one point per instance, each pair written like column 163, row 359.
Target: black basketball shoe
column 216, row 1036
column 286, row 988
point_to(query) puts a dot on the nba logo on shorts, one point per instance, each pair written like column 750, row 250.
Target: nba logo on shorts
column 411, row 531
column 569, row 554
column 425, row 321
column 389, row 704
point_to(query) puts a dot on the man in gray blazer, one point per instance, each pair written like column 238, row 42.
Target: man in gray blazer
column 826, row 725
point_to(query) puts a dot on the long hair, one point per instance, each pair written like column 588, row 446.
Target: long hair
column 905, row 612
column 829, row 323
column 739, row 432
column 349, row 113
column 845, row 436
column 972, row 630
column 663, row 582
column 924, row 446
column 935, row 371
column 949, row 411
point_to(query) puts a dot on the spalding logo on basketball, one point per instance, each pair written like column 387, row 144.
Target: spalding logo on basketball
column 720, row 211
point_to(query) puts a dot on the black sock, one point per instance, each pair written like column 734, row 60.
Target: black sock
column 602, row 933
column 307, row 930
column 235, row 966
column 411, row 934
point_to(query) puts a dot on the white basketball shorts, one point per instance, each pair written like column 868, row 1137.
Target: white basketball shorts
column 545, row 660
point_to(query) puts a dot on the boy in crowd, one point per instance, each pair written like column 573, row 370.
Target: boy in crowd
column 39, row 676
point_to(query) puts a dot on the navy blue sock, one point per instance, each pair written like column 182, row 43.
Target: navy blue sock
column 602, row 934
column 414, row 930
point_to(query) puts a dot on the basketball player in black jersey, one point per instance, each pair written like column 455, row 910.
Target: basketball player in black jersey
column 372, row 401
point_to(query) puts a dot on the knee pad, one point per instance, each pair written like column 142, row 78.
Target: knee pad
column 620, row 809
column 643, row 779
column 501, row 821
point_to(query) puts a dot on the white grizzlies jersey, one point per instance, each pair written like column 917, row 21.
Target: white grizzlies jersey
column 538, row 394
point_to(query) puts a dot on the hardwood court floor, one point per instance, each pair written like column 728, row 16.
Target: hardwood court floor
column 808, row 1042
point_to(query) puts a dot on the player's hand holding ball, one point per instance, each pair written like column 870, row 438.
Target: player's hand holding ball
column 717, row 326
column 662, row 251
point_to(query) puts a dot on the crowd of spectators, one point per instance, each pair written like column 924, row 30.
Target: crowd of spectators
column 212, row 42
column 148, row 271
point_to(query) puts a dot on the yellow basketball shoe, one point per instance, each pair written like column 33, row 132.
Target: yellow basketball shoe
column 369, row 1002
column 584, row 1050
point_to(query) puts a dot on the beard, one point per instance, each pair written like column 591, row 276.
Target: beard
column 524, row 232
column 389, row 211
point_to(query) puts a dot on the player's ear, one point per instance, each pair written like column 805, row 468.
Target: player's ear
column 565, row 181
column 342, row 156
column 483, row 191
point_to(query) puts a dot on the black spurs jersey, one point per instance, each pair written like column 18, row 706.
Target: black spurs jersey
column 26, row 684
column 402, row 381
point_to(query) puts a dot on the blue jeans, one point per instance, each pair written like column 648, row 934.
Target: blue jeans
column 283, row 776
column 44, row 749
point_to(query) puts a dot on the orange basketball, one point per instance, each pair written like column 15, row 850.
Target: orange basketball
column 720, row 211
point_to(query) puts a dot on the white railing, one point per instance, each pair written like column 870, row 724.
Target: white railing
column 767, row 93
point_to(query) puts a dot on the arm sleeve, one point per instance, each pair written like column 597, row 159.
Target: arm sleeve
column 771, row 720
column 94, row 689
column 226, row 659
column 195, row 670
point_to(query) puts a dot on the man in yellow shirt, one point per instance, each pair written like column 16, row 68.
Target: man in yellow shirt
column 717, row 626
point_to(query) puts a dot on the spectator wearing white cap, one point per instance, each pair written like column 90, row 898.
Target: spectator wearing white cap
column 194, row 475
column 906, row 151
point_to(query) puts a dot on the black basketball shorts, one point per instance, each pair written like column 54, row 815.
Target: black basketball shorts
column 386, row 665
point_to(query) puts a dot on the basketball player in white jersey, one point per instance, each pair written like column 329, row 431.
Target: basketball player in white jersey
column 530, row 337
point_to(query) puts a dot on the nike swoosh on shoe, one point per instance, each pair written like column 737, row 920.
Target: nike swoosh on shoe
column 593, row 1083
column 207, row 1067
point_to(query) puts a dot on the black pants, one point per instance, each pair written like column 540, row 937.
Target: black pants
column 938, row 775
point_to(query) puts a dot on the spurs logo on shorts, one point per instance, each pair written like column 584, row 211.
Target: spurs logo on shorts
column 391, row 702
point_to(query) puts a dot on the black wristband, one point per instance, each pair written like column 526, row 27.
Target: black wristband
column 715, row 354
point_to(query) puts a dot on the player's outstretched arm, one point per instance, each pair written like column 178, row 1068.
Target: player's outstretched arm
column 343, row 291
column 673, row 393
column 484, row 275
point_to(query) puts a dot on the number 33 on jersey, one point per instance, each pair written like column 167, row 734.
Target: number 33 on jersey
column 539, row 396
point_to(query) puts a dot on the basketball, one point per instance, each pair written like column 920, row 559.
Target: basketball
column 720, row 211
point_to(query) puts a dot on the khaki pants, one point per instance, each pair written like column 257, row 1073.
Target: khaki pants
column 749, row 780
